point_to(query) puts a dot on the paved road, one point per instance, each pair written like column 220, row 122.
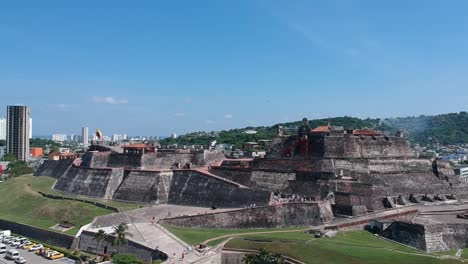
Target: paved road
column 34, row 259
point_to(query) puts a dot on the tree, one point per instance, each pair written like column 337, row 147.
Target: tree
column 18, row 167
column 120, row 233
column 99, row 236
column 126, row 259
column 9, row 157
column 264, row 257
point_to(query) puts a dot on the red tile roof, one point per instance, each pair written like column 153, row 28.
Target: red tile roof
column 321, row 129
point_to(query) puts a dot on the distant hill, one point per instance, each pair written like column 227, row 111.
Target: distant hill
column 446, row 129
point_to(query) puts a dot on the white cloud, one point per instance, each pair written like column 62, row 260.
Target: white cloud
column 109, row 100
column 179, row 114
column 228, row 116
column 208, row 121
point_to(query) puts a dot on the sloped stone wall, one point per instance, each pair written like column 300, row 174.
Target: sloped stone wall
column 53, row 168
column 293, row 214
column 196, row 188
column 87, row 181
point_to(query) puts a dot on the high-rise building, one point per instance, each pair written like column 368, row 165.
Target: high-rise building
column 3, row 128
column 18, row 131
column 30, row 127
column 84, row 136
column 59, row 137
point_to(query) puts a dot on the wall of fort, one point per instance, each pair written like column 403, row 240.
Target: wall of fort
column 89, row 244
column 196, row 188
column 292, row 214
column 91, row 182
column 151, row 161
column 142, row 186
column 429, row 237
column 53, row 168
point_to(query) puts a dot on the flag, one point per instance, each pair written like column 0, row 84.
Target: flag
column 98, row 134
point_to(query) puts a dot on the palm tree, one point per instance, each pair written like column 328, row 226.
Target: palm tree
column 120, row 233
column 99, row 236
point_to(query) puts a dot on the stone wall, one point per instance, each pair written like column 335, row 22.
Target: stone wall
column 292, row 214
column 151, row 161
column 91, row 182
column 42, row 235
column 201, row 189
column 344, row 146
column 429, row 237
column 238, row 175
column 139, row 186
column 406, row 233
column 88, row 243
column 53, row 168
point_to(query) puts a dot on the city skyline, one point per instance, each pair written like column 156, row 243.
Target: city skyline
column 213, row 66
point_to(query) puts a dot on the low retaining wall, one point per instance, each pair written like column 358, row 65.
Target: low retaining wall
column 88, row 243
column 293, row 214
column 39, row 234
column 58, row 197
column 360, row 222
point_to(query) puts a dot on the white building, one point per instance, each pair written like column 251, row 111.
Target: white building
column 59, row 137
column 84, row 136
column 30, row 127
column 117, row 137
column 462, row 172
column 174, row 135
column 3, row 130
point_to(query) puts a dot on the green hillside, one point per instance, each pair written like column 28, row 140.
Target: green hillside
column 446, row 129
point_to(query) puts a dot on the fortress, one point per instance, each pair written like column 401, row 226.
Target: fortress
column 355, row 171
column 308, row 179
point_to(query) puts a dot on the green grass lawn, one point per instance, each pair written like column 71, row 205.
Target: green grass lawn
column 20, row 202
column 347, row 247
column 195, row 236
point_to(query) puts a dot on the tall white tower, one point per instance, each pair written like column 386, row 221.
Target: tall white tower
column 84, row 136
column 3, row 129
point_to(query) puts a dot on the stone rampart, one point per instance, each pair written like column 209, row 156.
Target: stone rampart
column 292, row 214
column 139, row 186
column 429, row 237
column 193, row 187
column 89, row 181
column 53, row 168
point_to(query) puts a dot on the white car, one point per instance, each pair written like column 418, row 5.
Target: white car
column 36, row 247
column 20, row 260
column 16, row 243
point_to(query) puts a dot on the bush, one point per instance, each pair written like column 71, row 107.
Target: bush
column 126, row 259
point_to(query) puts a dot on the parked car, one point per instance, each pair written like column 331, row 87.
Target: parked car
column 55, row 255
column 28, row 245
column 20, row 260
column 3, row 248
column 16, row 243
column 42, row 251
column 36, row 247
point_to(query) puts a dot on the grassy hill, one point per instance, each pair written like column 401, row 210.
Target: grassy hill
column 20, row 202
column 347, row 247
column 445, row 129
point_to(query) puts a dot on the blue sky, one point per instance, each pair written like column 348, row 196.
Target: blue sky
column 157, row 67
